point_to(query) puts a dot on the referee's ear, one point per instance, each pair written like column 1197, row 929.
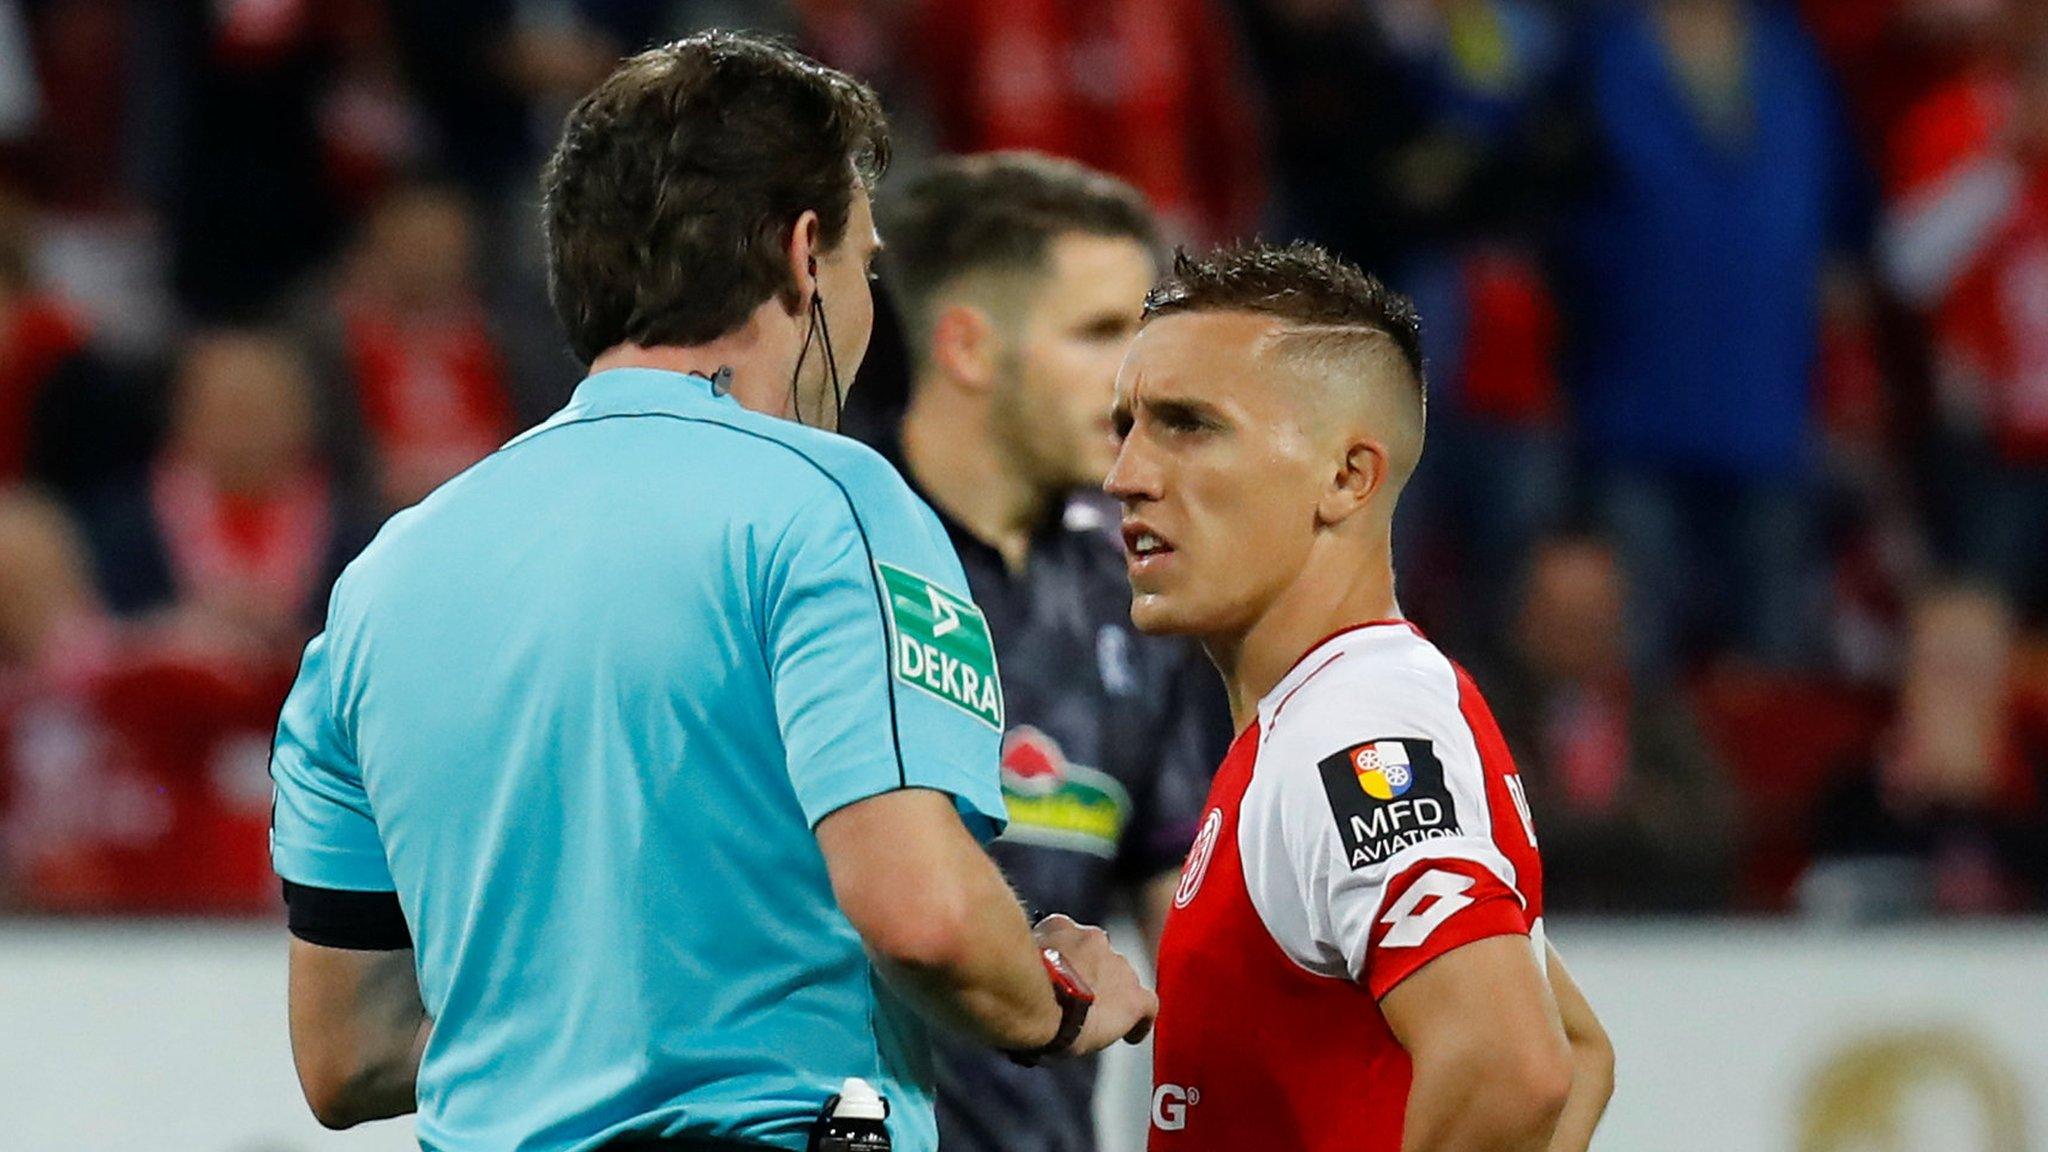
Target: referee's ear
column 802, row 254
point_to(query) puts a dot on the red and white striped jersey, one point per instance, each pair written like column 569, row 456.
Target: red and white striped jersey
column 1370, row 821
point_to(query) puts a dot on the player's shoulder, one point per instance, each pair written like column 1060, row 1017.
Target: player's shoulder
column 1360, row 681
column 1380, row 686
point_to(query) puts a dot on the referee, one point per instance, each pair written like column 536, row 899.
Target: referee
column 635, row 793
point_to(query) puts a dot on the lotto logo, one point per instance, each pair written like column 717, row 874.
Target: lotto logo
column 1170, row 1104
column 1409, row 922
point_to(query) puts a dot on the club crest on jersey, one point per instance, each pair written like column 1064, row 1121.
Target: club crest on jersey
column 1056, row 803
column 1197, row 865
column 1384, row 771
column 1386, row 795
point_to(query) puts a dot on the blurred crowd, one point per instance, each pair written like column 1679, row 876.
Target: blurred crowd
column 1736, row 495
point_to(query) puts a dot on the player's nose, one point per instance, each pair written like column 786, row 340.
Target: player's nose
column 1136, row 475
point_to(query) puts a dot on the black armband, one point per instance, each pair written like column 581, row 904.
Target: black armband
column 358, row 921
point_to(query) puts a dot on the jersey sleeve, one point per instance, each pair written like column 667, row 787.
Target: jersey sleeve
column 1367, row 839
column 322, row 833
column 884, row 672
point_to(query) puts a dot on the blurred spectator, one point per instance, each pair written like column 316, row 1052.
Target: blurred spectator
column 1886, row 52
column 1406, row 125
column 75, row 144
column 236, row 529
column 51, row 624
column 418, row 386
column 132, row 777
column 1635, row 812
column 68, row 417
column 1149, row 90
column 48, row 609
column 1951, row 814
column 38, row 335
column 470, row 65
column 1329, row 75
column 1481, row 76
column 371, row 127
column 1966, row 240
column 1871, row 515
column 1473, row 190
column 20, row 103
column 1695, row 265
column 858, row 36
column 247, row 198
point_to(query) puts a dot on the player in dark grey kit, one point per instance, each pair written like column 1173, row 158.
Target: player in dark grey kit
column 1020, row 280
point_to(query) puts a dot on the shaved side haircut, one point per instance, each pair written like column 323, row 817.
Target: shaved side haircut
column 1340, row 324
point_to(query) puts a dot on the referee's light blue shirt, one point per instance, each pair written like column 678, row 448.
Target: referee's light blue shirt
column 581, row 710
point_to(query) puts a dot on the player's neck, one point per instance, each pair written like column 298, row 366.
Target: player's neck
column 1329, row 596
column 951, row 458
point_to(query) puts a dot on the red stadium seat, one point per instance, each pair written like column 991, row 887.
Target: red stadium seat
column 1784, row 738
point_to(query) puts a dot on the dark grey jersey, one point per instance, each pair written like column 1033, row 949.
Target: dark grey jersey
column 1112, row 739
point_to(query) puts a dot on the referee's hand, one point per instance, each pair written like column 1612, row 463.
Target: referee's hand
column 1124, row 1007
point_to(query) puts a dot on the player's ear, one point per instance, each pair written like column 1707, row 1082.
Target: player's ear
column 966, row 348
column 1357, row 478
column 803, row 252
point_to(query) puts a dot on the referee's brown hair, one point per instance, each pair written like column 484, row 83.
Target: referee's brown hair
column 668, row 200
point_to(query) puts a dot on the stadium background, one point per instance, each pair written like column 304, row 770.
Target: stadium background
column 1736, row 499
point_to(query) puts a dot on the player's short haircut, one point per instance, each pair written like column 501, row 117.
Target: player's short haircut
column 669, row 202
column 1337, row 318
column 995, row 214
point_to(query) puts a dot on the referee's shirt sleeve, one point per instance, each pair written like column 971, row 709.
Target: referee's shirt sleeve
column 321, row 832
column 863, row 567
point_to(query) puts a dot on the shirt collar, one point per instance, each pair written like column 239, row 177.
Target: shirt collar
column 890, row 444
column 1320, row 655
column 637, row 391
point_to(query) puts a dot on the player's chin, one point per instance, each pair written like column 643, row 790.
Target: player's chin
column 1156, row 613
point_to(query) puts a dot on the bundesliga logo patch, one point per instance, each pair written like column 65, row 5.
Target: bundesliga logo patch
column 939, row 644
column 1386, row 795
